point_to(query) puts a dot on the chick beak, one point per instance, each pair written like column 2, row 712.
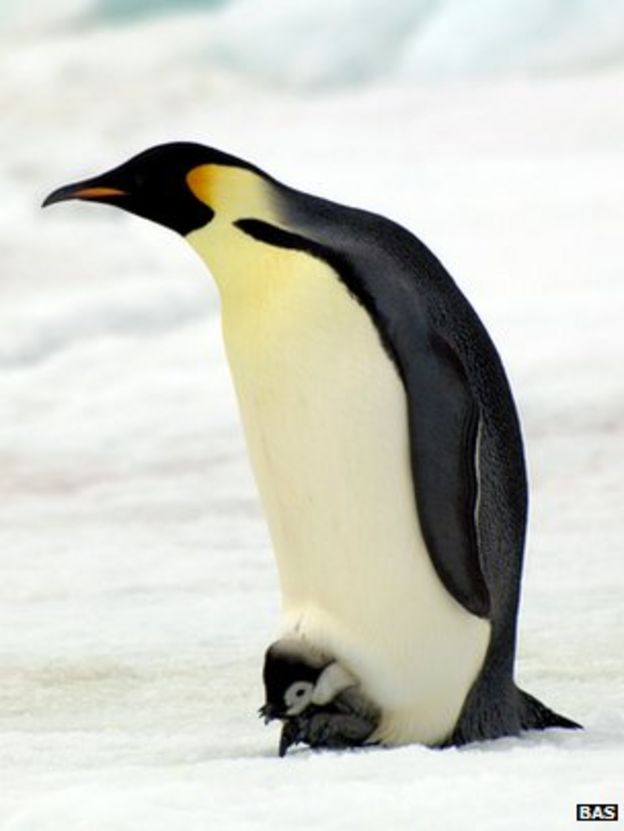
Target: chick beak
column 269, row 712
column 93, row 189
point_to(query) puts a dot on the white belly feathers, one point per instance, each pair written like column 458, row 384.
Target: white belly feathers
column 324, row 413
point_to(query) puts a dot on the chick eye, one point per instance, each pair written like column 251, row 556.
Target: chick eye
column 298, row 695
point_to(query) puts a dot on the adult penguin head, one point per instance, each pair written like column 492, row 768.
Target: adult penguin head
column 166, row 184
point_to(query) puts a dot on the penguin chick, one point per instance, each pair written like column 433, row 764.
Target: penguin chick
column 317, row 700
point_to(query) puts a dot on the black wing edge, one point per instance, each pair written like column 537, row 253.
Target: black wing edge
column 444, row 429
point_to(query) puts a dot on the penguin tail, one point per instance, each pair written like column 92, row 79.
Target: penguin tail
column 536, row 716
column 491, row 712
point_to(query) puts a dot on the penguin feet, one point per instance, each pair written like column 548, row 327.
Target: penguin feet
column 318, row 702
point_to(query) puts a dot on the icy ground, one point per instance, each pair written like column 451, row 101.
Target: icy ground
column 138, row 590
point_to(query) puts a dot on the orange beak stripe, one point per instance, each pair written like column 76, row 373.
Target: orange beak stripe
column 95, row 193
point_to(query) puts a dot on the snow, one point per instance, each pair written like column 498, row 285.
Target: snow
column 138, row 589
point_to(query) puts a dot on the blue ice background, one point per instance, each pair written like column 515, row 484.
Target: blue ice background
column 333, row 43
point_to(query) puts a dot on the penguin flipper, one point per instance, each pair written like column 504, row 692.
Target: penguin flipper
column 444, row 435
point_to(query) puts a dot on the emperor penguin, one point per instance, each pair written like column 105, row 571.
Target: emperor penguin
column 382, row 433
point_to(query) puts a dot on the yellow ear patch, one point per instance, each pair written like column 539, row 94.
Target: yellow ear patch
column 198, row 181
column 232, row 192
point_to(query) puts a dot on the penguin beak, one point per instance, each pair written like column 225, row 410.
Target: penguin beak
column 97, row 190
column 269, row 712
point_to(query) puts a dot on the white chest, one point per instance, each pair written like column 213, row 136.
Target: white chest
column 325, row 418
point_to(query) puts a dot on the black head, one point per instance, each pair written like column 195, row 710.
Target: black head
column 155, row 185
column 290, row 674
